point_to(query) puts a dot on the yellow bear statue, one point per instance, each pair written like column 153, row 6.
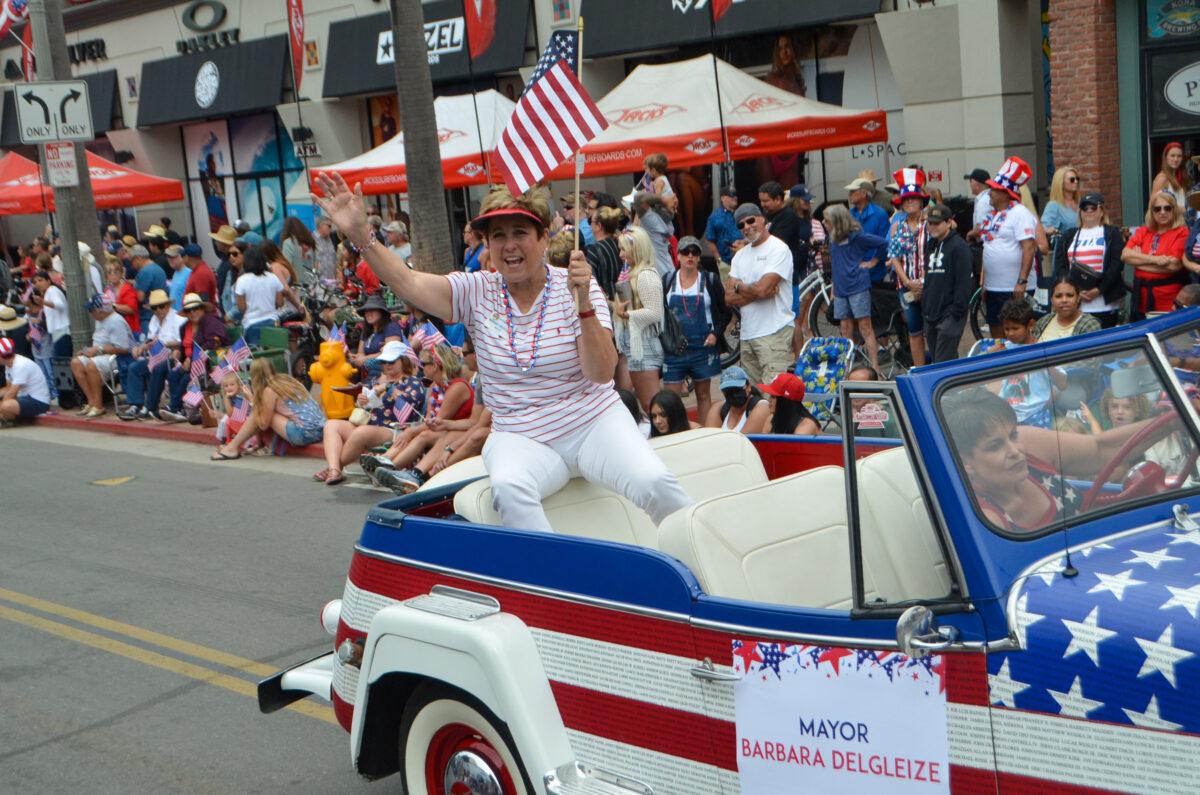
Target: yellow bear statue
column 332, row 370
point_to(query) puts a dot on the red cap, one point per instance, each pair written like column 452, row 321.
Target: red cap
column 785, row 385
column 480, row 222
column 6, row 346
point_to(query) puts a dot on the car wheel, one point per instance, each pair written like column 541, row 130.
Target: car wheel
column 449, row 746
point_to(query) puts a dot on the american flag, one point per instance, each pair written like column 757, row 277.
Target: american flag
column 199, row 361
column 238, row 352
column 35, row 332
column 158, row 355
column 1114, row 643
column 402, row 410
column 25, row 296
column 241, row 409
column 193, row 396
column 220, row 371
column 338, row 333
column 427, row 336
column 553, row 118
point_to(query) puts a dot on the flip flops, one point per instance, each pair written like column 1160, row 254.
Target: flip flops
column 321, row 476
column 335, row 477
column 221, row 456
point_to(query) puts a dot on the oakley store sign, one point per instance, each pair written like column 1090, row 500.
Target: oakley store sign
column 205, row 18
column 478, row 38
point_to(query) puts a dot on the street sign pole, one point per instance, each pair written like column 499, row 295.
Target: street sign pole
column 75, row 207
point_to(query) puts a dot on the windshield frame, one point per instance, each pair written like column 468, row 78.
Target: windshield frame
column 1150, row 346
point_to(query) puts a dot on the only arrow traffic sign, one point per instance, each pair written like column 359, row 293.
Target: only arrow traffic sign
column 55, row 111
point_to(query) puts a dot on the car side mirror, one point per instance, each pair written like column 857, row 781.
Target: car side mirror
column 918, row 633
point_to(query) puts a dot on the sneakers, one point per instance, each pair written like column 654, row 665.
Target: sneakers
column 130, row 413
column 166, row 415
column 370, row 462
column 401, row 481
column 94, row 412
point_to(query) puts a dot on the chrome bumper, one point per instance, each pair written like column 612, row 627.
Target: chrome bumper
column 310, row 678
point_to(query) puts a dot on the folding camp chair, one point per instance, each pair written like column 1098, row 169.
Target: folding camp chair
column 823, row 364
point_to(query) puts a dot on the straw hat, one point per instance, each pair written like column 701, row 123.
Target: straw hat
column 194, row 301
column 158, row 298
column 155, row 231
column 226, row 235
column 9, row 319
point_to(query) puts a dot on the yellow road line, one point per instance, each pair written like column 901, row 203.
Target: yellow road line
column 181, row 667
column 137, row 633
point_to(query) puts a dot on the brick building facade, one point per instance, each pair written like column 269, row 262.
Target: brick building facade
column 1083, row 95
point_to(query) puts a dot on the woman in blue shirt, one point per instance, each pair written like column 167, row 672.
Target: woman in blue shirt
column 378, row 329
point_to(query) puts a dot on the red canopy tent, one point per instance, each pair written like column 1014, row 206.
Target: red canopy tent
column 23, row 193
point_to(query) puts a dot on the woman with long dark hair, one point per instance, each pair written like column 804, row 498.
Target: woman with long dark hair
column 299, row 247
column 258, row 292
column 668, row 414
column 789, row 415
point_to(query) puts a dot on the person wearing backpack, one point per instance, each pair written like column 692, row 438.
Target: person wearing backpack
column 696, row 299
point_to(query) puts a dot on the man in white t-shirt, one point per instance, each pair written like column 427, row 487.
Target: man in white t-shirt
column 1008, row 234
column 397, row 240
column 112, row 338
column 27, row 394
column 760, row 284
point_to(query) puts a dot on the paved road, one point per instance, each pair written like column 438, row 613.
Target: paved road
column 135, row 618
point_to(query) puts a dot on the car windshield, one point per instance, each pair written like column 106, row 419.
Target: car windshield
column 1047, row 446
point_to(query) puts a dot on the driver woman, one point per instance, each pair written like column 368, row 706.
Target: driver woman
column 1008, row 464
column 546, row 358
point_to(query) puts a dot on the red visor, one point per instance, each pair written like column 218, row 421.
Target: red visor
column 480, row 222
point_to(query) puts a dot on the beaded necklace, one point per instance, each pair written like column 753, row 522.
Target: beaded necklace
column 683, row 299
column 994, row 223
column 537, row 334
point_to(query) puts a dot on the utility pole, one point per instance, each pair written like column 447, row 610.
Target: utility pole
column 75, row 207
column 430, row 235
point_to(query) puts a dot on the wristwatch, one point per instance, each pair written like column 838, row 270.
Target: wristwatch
column 737, row 287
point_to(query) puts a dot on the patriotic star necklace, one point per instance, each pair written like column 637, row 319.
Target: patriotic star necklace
column 537, row 334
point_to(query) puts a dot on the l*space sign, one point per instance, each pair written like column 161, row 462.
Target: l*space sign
column 59, row 111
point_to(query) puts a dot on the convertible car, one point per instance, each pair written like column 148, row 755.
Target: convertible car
column 988, row 583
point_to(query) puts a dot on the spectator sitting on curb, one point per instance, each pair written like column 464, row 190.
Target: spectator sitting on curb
column 282, row 404
column 742, row 410
column 26, row 395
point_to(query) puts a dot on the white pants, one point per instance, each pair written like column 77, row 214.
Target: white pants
column 610, row 452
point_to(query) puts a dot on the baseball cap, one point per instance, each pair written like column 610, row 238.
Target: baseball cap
column 249, row 238
column 139, row 251
column 113, row 247
column 6, row 347
column 173, row 251
column 800, row 191
column 979, row 175
column 129, row 240
column 192, row 250
column 392, row 351
column 729, row 190
column 396, row 226
column 785, row 385
column 862, row 183
column 99, row 301
column 1092, row 198
column 747, row 210
column 690, row 242
column 734, row 378
column 939, row 213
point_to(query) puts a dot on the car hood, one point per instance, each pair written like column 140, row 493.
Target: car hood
column 1119, row 641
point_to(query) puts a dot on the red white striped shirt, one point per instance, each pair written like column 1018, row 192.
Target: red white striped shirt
column 553, row 399
column 1088, row 248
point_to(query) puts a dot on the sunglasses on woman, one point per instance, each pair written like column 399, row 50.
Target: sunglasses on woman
column 1087, row 208
column 1164, row 208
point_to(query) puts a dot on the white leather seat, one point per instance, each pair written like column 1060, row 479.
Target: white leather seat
column 706, row 461
column 782, row 542
column 899, row 545
column 467, row 469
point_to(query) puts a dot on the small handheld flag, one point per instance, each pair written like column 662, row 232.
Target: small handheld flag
column 158, row 355
column 238, row 352
column 199, row 361
column 427, row 336
column 241, row 410
column 193, row 396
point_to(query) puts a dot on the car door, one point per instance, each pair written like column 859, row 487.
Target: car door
column 804, row 680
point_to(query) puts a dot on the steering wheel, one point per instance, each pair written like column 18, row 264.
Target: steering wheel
column 1140, row 480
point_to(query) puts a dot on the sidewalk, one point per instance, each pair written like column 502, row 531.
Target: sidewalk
column 151, row 429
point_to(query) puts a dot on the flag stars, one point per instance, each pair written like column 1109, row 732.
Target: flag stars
column 1187, row 598
column 1004, row 688
column 1162, row 656
column 1073, row 704
column 1025, row 619
column 1150, row 719
column 1152, row 559
column 1115, row 583
column 1086, row 636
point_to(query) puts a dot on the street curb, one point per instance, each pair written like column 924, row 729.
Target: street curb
column 179, row 432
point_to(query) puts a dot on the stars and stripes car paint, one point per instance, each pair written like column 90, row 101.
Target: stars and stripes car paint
column 1077, row 666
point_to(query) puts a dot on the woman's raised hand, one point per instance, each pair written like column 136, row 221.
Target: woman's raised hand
column 343, row 206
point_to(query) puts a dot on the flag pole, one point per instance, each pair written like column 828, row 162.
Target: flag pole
column 581, row 296
column 727, row 162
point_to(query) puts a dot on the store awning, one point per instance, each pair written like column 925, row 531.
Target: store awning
column 489, row 34
column 621, row 26
column 23, row 193
column 102, row 91
column 382, row 169
column 672, row 108
column 237, row 79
